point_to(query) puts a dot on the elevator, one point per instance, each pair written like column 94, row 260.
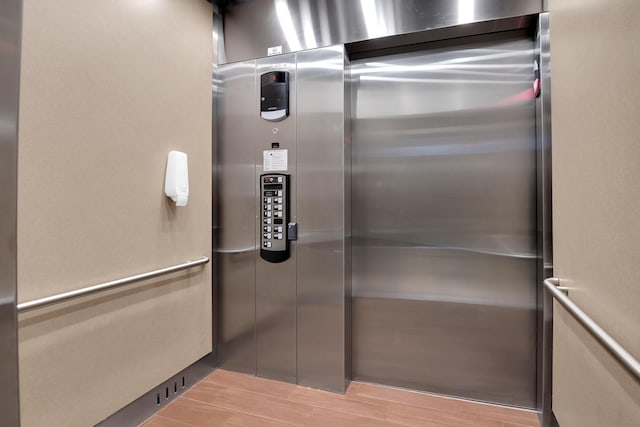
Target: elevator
column 413, row 181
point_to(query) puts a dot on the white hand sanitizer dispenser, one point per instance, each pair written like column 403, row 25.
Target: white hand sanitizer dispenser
column 176, row 183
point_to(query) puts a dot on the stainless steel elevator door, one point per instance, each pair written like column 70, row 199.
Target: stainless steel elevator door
column 444, row 267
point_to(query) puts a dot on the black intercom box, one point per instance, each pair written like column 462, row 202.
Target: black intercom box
column 274, row 95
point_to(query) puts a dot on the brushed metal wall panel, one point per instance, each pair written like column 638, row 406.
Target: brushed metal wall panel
column 309, row 24
column 275, row 283
column 444, row 215
column 349, row 103
column 10, row 31
column 321, row 210
column 215, row 35
column 236, row 215
column 299, row 332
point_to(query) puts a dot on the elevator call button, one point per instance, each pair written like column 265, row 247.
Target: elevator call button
column 274, row 195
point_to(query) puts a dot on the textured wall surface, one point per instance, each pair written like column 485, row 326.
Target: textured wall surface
column 595, row 64
column 107, row 90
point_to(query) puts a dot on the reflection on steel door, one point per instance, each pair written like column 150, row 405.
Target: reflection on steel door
column 444, row 268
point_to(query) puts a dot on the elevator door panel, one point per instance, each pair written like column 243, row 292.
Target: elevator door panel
column 444, row 224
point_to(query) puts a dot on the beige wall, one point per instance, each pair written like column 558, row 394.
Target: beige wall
column 595, row 61
column 108, row 89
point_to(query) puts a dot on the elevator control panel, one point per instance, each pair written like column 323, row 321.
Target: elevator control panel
column 274, row 214
column 274, row 95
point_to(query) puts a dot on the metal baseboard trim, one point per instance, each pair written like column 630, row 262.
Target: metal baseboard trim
column 151, row 402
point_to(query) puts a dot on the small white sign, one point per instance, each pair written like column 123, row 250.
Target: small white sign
column 274, row 50
column 275, row 160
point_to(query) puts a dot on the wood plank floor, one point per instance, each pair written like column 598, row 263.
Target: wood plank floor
column 231, row 399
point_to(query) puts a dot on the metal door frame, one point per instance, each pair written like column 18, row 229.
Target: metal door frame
column 10, row 47
column 544, row 219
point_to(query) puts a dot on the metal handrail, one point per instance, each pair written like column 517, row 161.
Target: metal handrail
column 41, row 302
column 623, row 356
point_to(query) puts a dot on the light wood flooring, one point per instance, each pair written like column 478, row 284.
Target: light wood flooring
column 231, row 399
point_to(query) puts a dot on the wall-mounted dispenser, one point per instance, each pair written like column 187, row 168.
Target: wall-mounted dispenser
column 176, row 183
column 274, row 95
